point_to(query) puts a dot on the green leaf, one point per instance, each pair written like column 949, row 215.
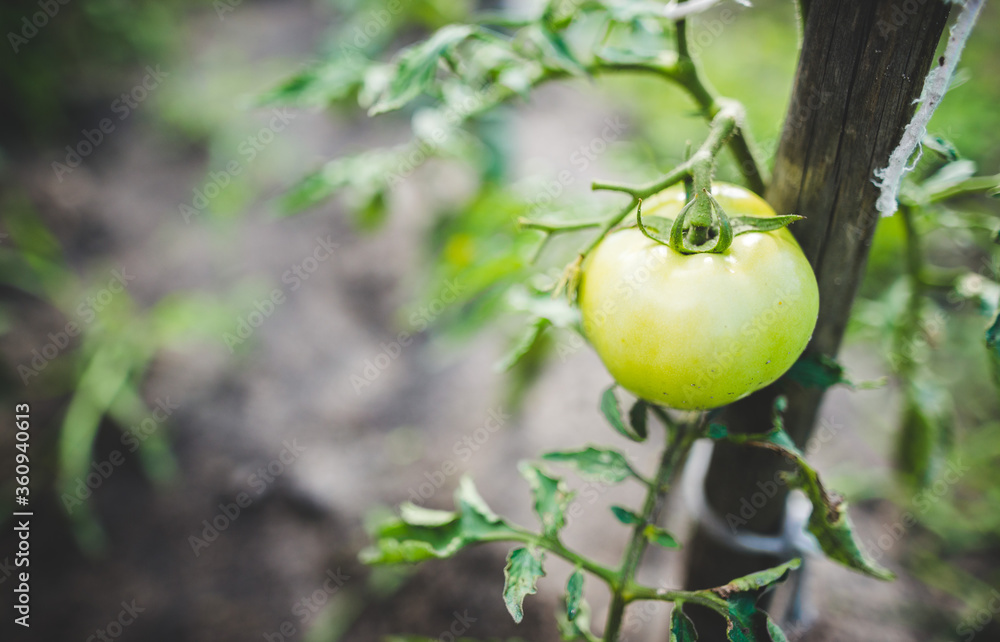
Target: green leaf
column 681, row 626
column 747, row 224
column 320, row 85
column 717, row 431
column 595, row 464
column 831, row 526
column 948, row 176
column 417, row 67
column 557, row 52
column 472, row 506
column 817, row 371
column 523, row 346
column 660, row 537
column 523, row 569
column 759, row 580
column 625, row 516
column 993, row 345
column 397, row 542
column 941, row 146
column 365, row 174
column 579, row 627
column 574, row 594
column 552, row 498
column 746, row 622
column 777, row 635
column 420, row 533
column 923, row 436
column 828, row 522
column 613, row 413
column 656, row 228
column 637, row 417
column 420, row 516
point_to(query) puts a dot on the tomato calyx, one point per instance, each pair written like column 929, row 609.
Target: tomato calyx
column 702, row 226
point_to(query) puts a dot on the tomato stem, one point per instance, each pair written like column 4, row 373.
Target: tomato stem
column 624, row 590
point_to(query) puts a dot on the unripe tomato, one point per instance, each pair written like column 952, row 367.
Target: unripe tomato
column 697, row 331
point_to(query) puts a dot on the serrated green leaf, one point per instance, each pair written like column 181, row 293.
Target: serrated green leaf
column 747, row 224
column 747, row 623
column 419, row 533
column 759, row 580
column 660, row 537
column 612, row 411
column 574, row 594
column 397, row 542
column 832, row 528
column 625, row 516
column 681, row 626
column 417, row 66
column 595, row 464
column 520, row 577
column 552, row 498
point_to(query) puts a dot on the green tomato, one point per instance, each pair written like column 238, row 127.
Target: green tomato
column 698, row 331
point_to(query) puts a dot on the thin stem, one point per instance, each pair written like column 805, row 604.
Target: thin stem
column 699, row 166
column 686, row 73
column 554, row 546
column 910, row 323
column 704, row 598
column 555, row 227
column 609, row 224
column 678, row 445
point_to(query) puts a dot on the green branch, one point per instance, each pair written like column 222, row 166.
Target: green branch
column 623, row 587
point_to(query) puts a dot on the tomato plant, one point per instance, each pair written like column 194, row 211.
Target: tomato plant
column 693, row 292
